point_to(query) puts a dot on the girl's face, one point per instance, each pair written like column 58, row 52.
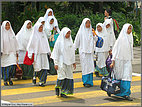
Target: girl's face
column 7, row 26
column 129, row 29
column 42, row 22
column 99, row 28
column 29, row 25
column 51, row 21
column 40, row 28
column 106, row 13
column 110, row 52
column 108, row 25
column 50, row 13
column 68, row 35
column 87, row 24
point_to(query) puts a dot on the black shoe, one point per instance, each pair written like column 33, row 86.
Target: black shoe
column 128, row 98
column 87, row 85
column 64, row 96
column 34, row 81
column 109, row 94
column 5, row 83
column 24, row 78
column 10, row 83
column 42, row 85
column 57, row 91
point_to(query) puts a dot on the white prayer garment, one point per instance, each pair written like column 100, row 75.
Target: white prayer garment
column 122, row 53
column 23, row 37
column 55, row 20
column 9, row 46
column 102, row 53
column 39, row 45
column 64, row 55
column 85, row 42
column 110, row 31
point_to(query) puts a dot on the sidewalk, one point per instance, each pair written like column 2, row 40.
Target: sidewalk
column 136, row 62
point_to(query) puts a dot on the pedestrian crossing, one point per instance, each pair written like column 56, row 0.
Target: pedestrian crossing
column 46, row 95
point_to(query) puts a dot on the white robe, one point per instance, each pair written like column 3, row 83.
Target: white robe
column 9, row 46
column 110, row 31
column 122, row 54
column 85, row 42
column 39, row 45
column 64, row 55
column 102, row 53
column 23, row 37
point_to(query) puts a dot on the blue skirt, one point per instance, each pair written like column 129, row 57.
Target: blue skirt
column 124, row 88
column 88, row 79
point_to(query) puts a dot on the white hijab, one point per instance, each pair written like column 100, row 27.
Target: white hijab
column 41, row 19
column 8, row 40
column 104, row 35
column 38, row 42
column 63, row 51
column 46, row 16
column 23, row 36
column 110, row 31
column 49, row 26
column 123, row 48
column 85, row 36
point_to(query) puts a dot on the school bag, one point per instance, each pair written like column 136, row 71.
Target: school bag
column 100, row 40
column 19, row 72
column 27, row 60
column 111, row 86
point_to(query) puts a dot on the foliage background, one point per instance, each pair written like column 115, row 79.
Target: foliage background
column 71, row 14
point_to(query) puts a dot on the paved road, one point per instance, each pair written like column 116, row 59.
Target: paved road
column 24, row 92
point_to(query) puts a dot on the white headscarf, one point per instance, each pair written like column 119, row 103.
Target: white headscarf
column 41, row 19
column 123, row 48
column 104, row 35
column 46, row 16
column 38, row 42
column 84, row 38
column 63, row 51
column 110, row 31
column 8, row 40
column 49, row 26
column 23, row 36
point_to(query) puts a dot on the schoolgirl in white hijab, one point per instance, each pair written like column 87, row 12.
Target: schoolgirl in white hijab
column 122, row 56
column 85, row 42
column 23, row 37
column 48, row 13
column 102, row 53
column 9, row 49
column 109, row 27
column 41, row 20
column 49, row 25
column 39, row 45
column 64, row 58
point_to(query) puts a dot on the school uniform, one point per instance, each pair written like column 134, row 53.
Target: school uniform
column 102, row 53
column 122, row 54
column 110, row 31
column 85, row 42
column 23, row 37
column 55, row 20
column 9, row 49
column 63, row 55
column 39, row 45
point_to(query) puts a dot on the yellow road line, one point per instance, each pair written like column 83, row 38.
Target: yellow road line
column 54, row 78
column 39, row 89
column 121, row 103
column 49, row 78
column 76, row 96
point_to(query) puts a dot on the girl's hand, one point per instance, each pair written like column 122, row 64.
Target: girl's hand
column 74, row 65
column 112, row 64
column 56, row 67
column 55, row 28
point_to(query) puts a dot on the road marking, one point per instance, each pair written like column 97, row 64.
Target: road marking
column 76, row 96
column 2, row 101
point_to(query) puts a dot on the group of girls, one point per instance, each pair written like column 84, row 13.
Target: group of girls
column 35, row 40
